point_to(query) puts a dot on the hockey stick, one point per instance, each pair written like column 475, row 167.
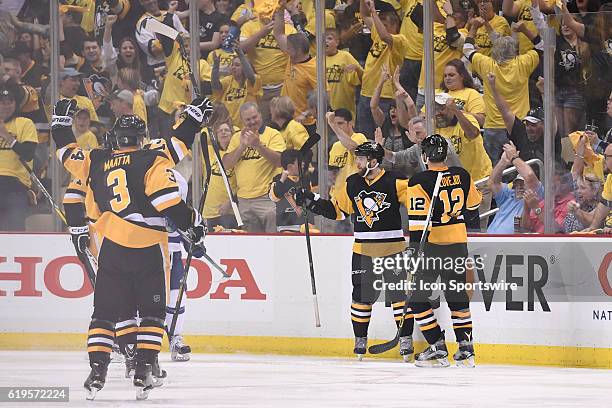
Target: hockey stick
column 91, row 274
column 228, row 188
column 308, row 144
column 187, row 266
column 381, row 348
column 158, row 27
column 208, row 258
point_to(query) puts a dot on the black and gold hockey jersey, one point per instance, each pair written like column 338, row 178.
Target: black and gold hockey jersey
column 457, row 194
column 130, row 188
column 374, row 206
column 174, row 148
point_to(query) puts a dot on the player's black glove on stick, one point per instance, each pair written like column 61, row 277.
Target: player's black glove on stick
column 198, row 229
column 80, row 240
column 304, row 197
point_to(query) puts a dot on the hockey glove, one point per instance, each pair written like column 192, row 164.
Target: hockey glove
column 80, row 240
column 63, row 111
column 199, row 111
column 305, row 197
column 198, row 229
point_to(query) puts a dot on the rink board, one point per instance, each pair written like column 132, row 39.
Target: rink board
column 560, row 312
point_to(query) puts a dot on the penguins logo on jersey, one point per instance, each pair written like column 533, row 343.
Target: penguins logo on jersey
column 370, row 205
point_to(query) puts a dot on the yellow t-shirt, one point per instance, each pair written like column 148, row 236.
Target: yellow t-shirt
column 217, row 194
column 295, row 134
column 140, row 109
column 414, row 50
column 177, row 83
column 471, row 152
column 23, row 130
column 267, row 58
column 442, row 54
column 607, row 191
column 300, row 79
column 483, row 40
column 253, row 172
column 380, row 53
column 234, row 95
column 524, row 15
column 339, row 156
column 471, row 98
column 87, row 140
column 342, row 84
column 84, row 103
column 225, row 61
column 511, row 79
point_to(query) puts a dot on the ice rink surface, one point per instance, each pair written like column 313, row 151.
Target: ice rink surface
column 244, row 380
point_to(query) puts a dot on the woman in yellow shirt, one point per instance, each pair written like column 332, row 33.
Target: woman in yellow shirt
column 243, row 85
column 459, row 84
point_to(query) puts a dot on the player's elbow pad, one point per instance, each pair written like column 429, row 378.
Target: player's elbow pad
column 75, row 214
column 63, row 136
column 180, row 214
column 185, row 131
column 325, row 208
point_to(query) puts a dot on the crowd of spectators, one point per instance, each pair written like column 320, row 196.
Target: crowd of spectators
column 258, row 65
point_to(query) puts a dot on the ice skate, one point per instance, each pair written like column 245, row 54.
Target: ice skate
column 464, row 357
column 361, row 344
column 406, row 349
column 116, row 356
column 436, row 355
column 96, row 379
column 129, row 356
column 143, row 380
column 179, row 351
column 158, row 374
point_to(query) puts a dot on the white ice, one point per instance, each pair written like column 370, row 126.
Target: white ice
column 244, row 380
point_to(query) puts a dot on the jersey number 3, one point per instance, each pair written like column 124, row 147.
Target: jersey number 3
column 117, row 179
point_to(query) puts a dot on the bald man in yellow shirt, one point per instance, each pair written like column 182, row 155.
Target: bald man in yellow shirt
column 254, row 156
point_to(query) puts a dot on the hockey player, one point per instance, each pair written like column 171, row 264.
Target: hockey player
column 176, row 148
column 133, row 190
column 447, row 240
column 372, row 196
column 288, row 213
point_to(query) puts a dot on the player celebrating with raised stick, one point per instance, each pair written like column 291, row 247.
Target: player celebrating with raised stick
column 447, row 239
column 372, row 196
column 133, row 189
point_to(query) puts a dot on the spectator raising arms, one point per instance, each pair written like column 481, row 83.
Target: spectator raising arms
column 241, row 86
column 177, row 85
column 388, row 47
column 301, row 72
column 510, row 201
column 488, row 27
column 269, row 61
column 511, row 77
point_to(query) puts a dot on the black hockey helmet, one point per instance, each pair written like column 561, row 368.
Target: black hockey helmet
column 128, row 130
column 371, row 150
column 435, row 147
